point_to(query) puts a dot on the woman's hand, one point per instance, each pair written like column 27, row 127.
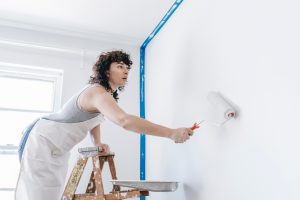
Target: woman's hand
column 180, row 135
column 105, row 148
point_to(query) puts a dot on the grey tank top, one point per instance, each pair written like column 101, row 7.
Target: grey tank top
column 70, row 112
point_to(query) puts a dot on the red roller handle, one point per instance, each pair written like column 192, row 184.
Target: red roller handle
column 195, row 126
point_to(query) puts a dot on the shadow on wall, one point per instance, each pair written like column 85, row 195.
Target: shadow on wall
column 191, row 192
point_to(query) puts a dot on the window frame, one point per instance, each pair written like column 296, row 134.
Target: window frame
column 29, row 72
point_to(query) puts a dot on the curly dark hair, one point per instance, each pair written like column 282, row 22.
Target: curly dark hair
column 103, row 65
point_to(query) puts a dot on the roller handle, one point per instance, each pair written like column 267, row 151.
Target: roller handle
column 195, row 126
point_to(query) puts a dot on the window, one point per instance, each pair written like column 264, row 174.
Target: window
column 26, row 94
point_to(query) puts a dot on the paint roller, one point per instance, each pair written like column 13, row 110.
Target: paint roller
column 221, row 105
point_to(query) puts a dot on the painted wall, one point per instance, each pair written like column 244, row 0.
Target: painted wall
column 249, row 51
column 77, row 65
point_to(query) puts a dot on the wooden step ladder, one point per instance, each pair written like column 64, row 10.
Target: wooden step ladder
column 95, row 190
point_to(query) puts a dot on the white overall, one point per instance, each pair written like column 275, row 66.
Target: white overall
column 44, row 163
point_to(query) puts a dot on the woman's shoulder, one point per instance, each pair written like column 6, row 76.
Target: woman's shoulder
column 96, row 89
column 93, row 93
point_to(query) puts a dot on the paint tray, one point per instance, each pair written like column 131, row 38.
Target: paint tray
column 153, row 186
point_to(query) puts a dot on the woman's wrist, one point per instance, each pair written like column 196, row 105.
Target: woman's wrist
column 97, row 143
column 170, row 133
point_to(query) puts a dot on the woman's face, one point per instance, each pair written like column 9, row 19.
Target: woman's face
column 117, row 74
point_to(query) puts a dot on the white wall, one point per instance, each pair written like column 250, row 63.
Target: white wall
column 77, row 69
column 249, row 51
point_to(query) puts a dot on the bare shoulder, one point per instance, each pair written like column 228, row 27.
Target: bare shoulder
column 97, row 91
column 88, row 98
column 95, row 98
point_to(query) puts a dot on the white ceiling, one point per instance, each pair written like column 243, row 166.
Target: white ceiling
column 131, row 20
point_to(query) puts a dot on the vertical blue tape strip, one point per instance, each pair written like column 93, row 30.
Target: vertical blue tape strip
column 142, row 115
column 142, row 85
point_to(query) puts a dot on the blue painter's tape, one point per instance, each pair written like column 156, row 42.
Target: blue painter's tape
column 142, row 114
column 142, row 85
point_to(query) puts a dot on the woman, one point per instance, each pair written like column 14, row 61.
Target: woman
column 45, row 156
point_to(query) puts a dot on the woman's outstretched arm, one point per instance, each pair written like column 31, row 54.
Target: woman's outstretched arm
column 105, row 103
